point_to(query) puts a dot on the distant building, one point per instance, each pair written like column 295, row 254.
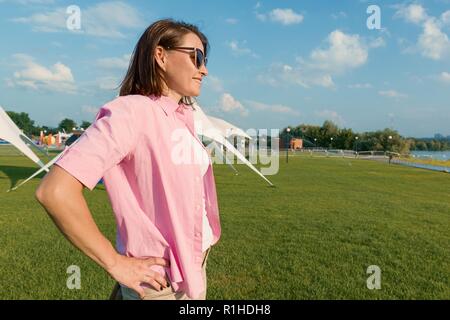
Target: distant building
column 296, row 143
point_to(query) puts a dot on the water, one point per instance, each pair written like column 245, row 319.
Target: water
column 423, row 166
column 436, row 155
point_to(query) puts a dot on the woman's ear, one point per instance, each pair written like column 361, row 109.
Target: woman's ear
column 160, row 57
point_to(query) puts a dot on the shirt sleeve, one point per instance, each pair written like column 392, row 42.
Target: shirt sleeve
column 103, row 145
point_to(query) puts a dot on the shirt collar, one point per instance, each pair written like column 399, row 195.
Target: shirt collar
column 167, row 104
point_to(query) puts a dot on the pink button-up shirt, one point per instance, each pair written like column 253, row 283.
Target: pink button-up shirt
column 156, row 195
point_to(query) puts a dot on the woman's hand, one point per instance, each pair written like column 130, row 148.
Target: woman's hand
column 62, row 197
column 131, row 272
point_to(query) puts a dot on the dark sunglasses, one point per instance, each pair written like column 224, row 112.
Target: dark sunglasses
column 198, row 57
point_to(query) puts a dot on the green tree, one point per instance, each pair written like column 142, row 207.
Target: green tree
column 23, row 121
column 67, row 125
column 421, row 146
column 85, row 124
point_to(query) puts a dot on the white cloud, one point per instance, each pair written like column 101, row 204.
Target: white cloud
column 392, row 94
column 107, row 19
column 340, row 14
column 285, row 16
column 214, row 83
column 231, row 21
column 279, row 74
column 35, row 76
column 229, row 104
column 30, row 2
column 275, row 108
column 115, row 63
column 444, row 77
column 360, row 86
column 324, row 80
column 108, row 83
column 89, row 110
column 342, row 53
column 345, row 51
column 414, row 13
column 53, row 21
column 261, row 16
column 377, row 43
column 331, row 115
column 239, row 49
column 432, row 43
column 445, row 17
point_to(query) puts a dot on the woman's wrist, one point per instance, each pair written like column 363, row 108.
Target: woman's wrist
column 111, row 262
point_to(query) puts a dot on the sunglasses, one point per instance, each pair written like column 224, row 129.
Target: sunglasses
column 197, row 55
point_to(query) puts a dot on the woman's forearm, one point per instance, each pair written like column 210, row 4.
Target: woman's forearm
column 74, row 220
column 69, row 211
column 62, row 197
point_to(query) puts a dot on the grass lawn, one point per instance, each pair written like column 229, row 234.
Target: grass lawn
column 311, row 237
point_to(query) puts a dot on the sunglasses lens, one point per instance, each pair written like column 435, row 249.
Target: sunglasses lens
column 200, row 59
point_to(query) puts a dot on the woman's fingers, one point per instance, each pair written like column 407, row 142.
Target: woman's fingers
column 162, row 282
column 156, row 283
column 134, row 270
column 159, row 261
column 139, row 291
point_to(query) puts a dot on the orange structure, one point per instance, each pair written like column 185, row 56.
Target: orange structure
column 296, row 143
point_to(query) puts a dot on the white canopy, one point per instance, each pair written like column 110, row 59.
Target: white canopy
column 205, row 127
column 11, row 133
column 46, row 168
column 227, row 129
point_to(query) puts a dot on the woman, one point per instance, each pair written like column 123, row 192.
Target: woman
column 165, row 204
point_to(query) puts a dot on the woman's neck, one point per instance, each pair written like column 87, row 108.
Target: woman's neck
column 176, row 97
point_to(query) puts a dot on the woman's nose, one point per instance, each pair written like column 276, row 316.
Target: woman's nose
column 204, row 70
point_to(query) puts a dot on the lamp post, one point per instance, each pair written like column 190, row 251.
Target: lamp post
column 288, row 130
column 315, row 142
column 390, row 148
column 331, row 142
column 356, row 145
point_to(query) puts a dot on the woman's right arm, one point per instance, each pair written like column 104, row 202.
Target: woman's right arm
column 61, row 195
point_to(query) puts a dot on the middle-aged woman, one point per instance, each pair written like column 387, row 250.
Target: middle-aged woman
column 164, row 202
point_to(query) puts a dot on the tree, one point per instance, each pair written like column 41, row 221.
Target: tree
column 421, row 146
column 85, row 124
column 67, row 125
column 345, row 139
column 23, row 121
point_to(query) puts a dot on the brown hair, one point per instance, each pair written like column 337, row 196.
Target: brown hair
column 144, row 76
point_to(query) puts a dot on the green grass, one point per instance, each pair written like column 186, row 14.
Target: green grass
column 311, row 237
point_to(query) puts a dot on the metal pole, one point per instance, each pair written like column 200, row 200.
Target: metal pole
column 287, row 148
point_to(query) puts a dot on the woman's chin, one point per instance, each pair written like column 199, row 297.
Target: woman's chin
column 194, row 93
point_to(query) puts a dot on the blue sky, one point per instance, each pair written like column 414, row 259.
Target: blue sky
column 271, row 64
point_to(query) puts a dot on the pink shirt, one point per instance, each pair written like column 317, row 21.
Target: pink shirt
column 136, row 144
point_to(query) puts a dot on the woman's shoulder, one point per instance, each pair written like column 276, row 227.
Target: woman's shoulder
column 133, row 105
column 130, row 101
